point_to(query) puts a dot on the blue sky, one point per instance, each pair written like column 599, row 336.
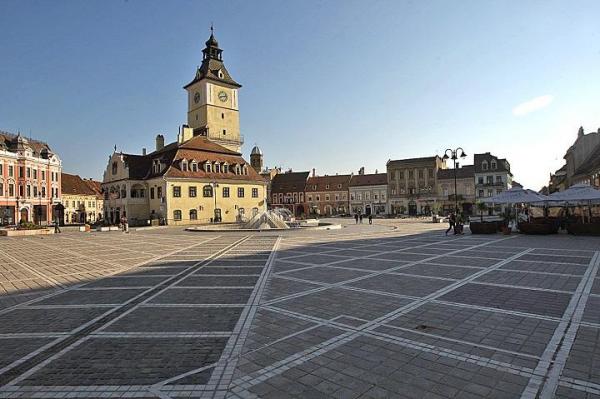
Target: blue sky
column 333, row 85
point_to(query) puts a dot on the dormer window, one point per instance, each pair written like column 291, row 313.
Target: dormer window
column 156, row 166
column 327, row 187
column 238, row 170
column 494, row 165
column 217, row 167
column 194, row 166
column 484, row 165
column 208, row 167
column 184, row 165
column 225, row 167
column 220, row 74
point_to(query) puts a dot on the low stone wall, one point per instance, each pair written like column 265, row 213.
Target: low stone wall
column 22, row 233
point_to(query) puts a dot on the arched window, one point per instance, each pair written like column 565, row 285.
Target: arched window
column 207, row 191
column 193, row 214
column 177, row 215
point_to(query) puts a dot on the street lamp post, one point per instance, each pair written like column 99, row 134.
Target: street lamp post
column 454, row 155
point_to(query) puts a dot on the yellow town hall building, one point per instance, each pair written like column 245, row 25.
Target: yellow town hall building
column 200, row 177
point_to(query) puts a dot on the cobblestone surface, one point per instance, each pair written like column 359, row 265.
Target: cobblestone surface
column 394, row 310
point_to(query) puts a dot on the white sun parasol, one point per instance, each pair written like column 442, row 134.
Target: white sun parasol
column 517, row 195
column 579, row 193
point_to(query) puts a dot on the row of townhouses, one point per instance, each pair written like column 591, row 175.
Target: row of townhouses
column 415, row 186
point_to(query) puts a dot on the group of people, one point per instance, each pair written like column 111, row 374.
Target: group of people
column 358, row 217
column 456, row 223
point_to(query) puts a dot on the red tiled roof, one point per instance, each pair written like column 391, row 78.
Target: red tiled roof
column 74, row 185
column 335, row 183
column 368, row 180
column 465, row 172
column 289, row 182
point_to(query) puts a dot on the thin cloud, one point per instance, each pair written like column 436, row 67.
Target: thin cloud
column 533, row 105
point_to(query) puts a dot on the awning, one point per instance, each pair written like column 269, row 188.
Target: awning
column 578, row 193
column 517, row 195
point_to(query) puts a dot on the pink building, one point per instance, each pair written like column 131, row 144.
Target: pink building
column 29, row 180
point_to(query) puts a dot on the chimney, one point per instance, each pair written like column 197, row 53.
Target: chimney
column 580, row 132
column 376, row 171
column 160, row 142
column 314, row 172
column 361, row 171
column 144, row 151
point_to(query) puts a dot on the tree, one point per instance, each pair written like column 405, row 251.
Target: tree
column 481, row 207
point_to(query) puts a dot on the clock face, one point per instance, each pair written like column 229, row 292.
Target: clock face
column 222, row 96
column 196, row 97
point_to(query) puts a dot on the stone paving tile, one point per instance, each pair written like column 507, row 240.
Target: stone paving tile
column 92, row 297
column 570, row 393
column 535, row 280
column 584, row 359
column 366, row 368
column 178, row 319
column 128, row 361
column 517, row 299
column 401, row 284
column 125, row 282
column 218, row 281
column 46, row 320
column 401, row 256
column 468, row 349
column 325, row 274
column 576, row 270
column 504, row 331
column 370, row 264
column 319, row 259
column 278, row 287
column 201, row 295
column 591, row 313
column 557, row 258
column 12, row 349
column 434, row 270
column 258, row 359
column 229, row 270
column 270, row 326
column 466, row 261
column 335, row 302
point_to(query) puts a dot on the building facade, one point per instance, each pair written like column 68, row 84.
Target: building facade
column 368, row 194
column 327, row 195
column 80, row 200
column 288, row 191
column 492, row 175
column 201, row 177
column 29, row 180
column 465, row 190
column 412, row 185
column 581, row 159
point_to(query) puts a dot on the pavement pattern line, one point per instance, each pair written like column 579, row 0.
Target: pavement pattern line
column 286, row 364
column 556, row 353
column 24, row 367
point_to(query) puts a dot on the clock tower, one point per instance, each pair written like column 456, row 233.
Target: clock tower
column 213, row 100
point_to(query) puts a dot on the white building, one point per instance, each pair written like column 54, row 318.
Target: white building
column 368, row 193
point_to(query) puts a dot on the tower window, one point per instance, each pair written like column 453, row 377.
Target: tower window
column 224, row 131
column 222, row 116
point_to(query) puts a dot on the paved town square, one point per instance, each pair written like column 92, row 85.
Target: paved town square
column 393, row 310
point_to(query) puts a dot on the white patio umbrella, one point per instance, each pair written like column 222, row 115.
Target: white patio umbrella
column 517, row 195
column 578, row 193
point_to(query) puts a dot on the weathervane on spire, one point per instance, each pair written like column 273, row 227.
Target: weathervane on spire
column 212, row 29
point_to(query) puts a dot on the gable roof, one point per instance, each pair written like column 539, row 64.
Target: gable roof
column 464, row 172
column 198, row 149
column 374, row 179
column 328, row 183
column 74, row 185
column 289, row 182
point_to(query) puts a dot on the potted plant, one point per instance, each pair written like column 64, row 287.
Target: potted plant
column 482, row 227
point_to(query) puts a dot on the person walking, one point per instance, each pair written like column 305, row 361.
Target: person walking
column 125, row 223
column 360, row 217
column 56, row 224
column 451, row 222
column 370, row 219
column 356, row 217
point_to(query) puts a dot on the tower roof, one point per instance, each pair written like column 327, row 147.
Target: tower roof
column 212, row 67
column 256, row 151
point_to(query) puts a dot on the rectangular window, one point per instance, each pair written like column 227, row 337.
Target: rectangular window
column 498, row 179
column 177, row 215
column 430, row 173
column 420, row 173
column 159, row 192
column 240, row 192
column 43, row 175
column 176, row 191
column 480, row 180
column 151, row 192
column 11, row 190
column 28, row 173
column 255, row 193
column 411, row 174
column 192, row 191
column 35, row 191
column 1, row 170
column 35, row 173
column 43, row 192
column 11, row 171
column 225, row 192
column 29, row 191
column 21, row 171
